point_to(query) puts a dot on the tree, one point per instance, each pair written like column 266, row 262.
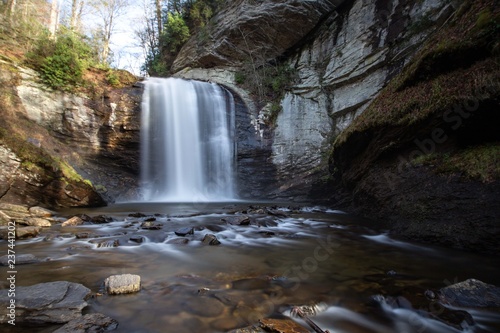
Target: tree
column 176, row 32
column 108, row 11
column 75, row 21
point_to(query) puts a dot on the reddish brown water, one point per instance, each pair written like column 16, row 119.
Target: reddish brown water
column 260, row 270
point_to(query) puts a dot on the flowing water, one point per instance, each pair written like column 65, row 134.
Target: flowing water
column 280, row 258
column 187, row 141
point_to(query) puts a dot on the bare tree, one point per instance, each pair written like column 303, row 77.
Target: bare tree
column 108, row 11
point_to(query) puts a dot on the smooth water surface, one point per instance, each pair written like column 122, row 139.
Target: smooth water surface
column 282, row 258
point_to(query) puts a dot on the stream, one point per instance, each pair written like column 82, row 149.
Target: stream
column 340, row 266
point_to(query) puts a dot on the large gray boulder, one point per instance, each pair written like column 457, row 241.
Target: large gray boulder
column 51, row 302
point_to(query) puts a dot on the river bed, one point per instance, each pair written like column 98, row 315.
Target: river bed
column 341, row 266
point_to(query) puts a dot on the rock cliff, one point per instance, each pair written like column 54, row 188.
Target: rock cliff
column 369, row 122
column 342, row 55
column 66, row 150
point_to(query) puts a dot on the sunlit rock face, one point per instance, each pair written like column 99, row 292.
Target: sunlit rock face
column 99, row 137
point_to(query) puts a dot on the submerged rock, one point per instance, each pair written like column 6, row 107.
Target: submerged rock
column 90, row 323
column 122, row 284
column 21, row 259
column 52, row 302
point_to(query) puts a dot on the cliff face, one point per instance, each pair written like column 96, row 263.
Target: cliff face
column 52, row 141
column 342, row 55
column 379, row 119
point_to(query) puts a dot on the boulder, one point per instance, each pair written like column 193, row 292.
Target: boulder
column 37, row 222
column 27, row 232
column 43, row 303
column 89, row 323
column 471, row 293
column 37, row 211
column 122, row 284
column 74, row 221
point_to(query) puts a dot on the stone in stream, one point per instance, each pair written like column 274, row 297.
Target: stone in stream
column 21, row 259
column 282, row 325
column 74, row 221
column 101, row 219
column 137, row 239
column 89, row 323
column 122, row 284
column 51, row 302
column 27, row 232
column 471, row 293
column 178, row 241
column 37, row 211
column 184, row 231
column 210, row 240
column 237, row 220
column 150, row 225
column 105, row 242
column 36, row 222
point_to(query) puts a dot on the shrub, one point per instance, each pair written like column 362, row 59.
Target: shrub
column 62, row 61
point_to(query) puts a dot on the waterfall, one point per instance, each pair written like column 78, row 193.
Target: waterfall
column 187, row 141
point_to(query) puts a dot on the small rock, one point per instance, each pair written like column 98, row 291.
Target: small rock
column 89, row 323
column 106, row 242
column 27, row 232
column 178, row 241
column 101, row 219
column 150, row 219
column 82, row 235
column 184, row 231
column 137, row 239
column 136, row 215
column 237, row 220
column 150, row 226
column 282, row 325
column 74, row 221
column 37, row 222
column 276, row 213
column 210, row 240
column 122, row 284
column 37, row 211
column 21, row 259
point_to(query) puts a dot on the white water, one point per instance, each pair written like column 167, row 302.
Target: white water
column 187, row 141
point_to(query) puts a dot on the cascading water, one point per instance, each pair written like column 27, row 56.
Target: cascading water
column 187, row 141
